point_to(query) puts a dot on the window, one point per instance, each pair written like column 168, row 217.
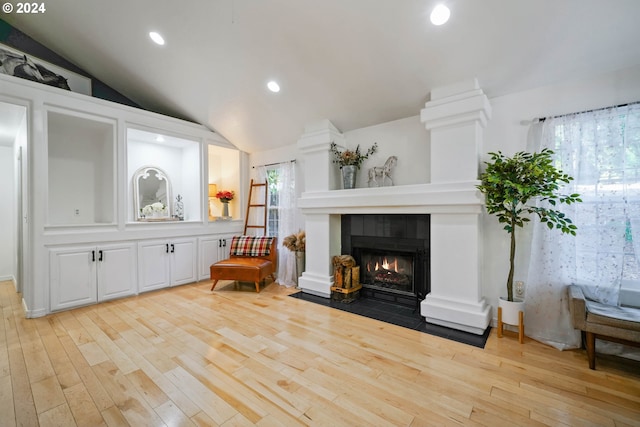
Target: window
column 601, row 150
column 273, row 204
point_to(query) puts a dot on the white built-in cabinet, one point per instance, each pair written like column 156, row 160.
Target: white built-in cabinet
column 87, row 242
column 86, row 274
column 166, row 262
column 212, row 249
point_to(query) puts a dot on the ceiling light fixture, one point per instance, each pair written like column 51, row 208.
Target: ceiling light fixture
column 440, row 14
column 157, row 38
column 273, row 86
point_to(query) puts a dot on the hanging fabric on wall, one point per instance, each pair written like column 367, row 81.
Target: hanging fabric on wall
column 286, row 222
column 281, row 207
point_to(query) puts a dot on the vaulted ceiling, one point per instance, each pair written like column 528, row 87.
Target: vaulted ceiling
column 354, row 62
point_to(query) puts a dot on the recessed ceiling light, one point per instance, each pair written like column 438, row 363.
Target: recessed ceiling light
column 157, row 38
column 273, row 86
column 440, row 14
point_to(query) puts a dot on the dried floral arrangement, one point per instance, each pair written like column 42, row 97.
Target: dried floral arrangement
column 295, row 242
column 351, row 157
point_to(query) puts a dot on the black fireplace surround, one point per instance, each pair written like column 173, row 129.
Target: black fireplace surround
column 406, row 235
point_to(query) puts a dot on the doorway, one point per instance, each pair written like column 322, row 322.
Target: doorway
column 13, row 146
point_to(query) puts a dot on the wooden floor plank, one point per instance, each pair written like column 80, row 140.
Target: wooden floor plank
column 64, row 369
column 47, row 394
column 172, row 415
column 6, row 402
column 187, row 356
column 93, row 385
column 125, row 396
column 56, row 417
column 82, row 406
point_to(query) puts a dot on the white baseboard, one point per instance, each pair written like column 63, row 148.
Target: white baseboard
column 32, row 314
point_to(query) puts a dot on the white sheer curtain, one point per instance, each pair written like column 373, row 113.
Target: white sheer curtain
column 601, row 150
column 286, row 222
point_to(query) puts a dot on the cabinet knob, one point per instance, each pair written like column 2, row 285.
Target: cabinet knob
column 100, row 256
column 167, row 250
column 173, row 248
column 93, row 256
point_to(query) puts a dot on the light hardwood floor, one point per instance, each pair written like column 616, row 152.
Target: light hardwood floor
column 187, row 356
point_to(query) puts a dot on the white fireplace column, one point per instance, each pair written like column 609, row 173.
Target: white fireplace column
column 455, row 116
column 322, row 229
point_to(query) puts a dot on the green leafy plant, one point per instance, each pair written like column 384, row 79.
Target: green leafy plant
column 512, row 185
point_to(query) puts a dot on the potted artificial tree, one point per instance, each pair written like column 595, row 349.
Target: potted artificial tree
column 511, row 186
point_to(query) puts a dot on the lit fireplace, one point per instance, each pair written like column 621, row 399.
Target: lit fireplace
column 392, row 251
column 390, row 272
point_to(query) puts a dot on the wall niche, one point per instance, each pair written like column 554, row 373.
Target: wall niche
column 179, row 158
column 81, row 169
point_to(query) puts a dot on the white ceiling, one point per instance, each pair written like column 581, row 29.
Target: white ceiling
column 354, row 62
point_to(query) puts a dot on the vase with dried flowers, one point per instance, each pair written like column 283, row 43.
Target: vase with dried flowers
column 297, row 244
column 350, row 162
column 225, row 196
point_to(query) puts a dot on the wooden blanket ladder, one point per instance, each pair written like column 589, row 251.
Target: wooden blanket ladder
column 251, row 205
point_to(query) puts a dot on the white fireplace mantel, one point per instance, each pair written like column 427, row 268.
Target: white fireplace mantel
column 446, row 198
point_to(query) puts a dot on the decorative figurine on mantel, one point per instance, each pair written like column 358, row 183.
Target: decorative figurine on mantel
column 379, row 174
column 178, row 211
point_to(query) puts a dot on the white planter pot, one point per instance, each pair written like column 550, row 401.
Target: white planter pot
column 510, row 311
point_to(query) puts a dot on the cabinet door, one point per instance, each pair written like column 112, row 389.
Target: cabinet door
column 72, row 277
column 153, row 265
column 183, row 261
column 225, row 247
column 211, row 250
column 117, row 275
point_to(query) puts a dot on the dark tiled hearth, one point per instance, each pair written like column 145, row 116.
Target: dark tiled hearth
column 397, row 314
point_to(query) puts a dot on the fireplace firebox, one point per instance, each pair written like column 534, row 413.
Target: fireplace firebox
column 389, row 271
column 392, row 252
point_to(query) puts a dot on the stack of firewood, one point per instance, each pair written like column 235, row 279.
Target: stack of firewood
column 346, row 278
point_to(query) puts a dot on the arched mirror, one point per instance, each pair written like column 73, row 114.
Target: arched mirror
column 152, row 194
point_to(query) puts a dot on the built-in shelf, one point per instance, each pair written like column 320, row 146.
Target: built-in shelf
column 81, row 169
column 178, row 158
column 224, row 173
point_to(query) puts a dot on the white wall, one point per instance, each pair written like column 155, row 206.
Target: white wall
column 7, row 214
column 21, row 180
column 405, row 138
